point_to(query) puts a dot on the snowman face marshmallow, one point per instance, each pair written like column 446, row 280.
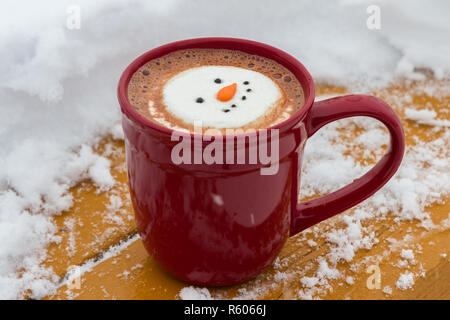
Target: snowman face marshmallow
column 220, row 96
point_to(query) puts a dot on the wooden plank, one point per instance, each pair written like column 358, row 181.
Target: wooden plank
column 134, row 275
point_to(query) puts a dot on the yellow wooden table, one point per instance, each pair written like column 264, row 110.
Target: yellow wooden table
column 105, row 258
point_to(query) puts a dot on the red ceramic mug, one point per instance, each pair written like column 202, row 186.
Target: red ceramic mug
column 201, row 240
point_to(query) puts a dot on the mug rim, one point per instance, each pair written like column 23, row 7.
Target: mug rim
column 244, row 45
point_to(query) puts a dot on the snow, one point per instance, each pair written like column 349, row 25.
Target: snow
column 407, row 254
column 325, row 272
column 405, row 281
column 387, row 290
column 347, row 241
column 350, row 280
column 426, row 116
column 309, row 282
column 77, row 271
column 311, row 243
column 192, row 293
column 58, row 100
column 320, row 282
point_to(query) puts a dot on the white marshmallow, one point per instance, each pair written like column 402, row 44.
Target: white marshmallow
column 182, row 90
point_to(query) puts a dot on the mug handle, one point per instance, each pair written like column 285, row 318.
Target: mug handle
column 308, row 213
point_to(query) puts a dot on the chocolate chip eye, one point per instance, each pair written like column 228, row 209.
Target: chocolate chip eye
column 244, row 97
column 199, row 100
column 246, row 82
column 248, row 90
column 218, row 80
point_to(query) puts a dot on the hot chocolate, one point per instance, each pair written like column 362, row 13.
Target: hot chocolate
column 215, row 88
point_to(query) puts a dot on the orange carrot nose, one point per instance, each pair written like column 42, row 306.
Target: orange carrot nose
column 227, row 93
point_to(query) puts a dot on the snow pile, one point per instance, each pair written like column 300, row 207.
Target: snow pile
column 57, row 96
column 346, row 242
column 425, row 117
column 192, row 293
column 405, row 281
column 407, row 254
column 319, row 283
